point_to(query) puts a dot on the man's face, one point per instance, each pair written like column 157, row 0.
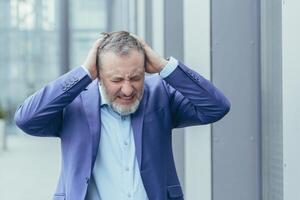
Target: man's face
column 122, row 78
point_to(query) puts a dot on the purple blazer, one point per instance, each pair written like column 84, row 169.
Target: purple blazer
column 69, row 108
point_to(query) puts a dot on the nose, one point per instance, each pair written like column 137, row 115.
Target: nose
column 127, row 89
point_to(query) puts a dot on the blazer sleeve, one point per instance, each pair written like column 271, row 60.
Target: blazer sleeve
column 193, row 99
column 41, row 114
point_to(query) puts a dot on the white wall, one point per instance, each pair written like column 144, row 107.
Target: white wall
column 197, row 139
column 291, row 98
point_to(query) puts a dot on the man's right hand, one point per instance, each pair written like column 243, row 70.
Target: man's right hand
column 90, row 61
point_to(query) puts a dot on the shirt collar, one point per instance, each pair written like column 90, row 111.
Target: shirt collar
column 102, row 95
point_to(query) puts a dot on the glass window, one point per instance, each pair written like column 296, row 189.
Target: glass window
column 30, row 50
column 87, row 21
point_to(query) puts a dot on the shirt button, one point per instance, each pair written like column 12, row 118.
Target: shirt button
column 127, row 169
column 129, row 195
column 125, row 143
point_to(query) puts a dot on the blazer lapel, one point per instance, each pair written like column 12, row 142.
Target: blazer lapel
column 91, row 103
column 137, row 119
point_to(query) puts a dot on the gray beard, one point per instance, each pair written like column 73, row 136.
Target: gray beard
column 122, row 110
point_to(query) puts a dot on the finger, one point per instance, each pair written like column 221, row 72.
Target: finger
column 139, row 39
column 135, row 36
column 97, row 42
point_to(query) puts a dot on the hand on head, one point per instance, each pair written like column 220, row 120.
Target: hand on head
column 154, row 62
column 91, row 60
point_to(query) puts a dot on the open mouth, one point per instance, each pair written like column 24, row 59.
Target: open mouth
column 126, row 100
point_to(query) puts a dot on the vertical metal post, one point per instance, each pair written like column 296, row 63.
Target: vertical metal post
column 173, row 14
column 272, row 100
column 236, row 140
column 64, row 35
column 148, row 21
column 109, row 19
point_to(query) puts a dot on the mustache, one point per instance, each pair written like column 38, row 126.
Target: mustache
column 121, row 94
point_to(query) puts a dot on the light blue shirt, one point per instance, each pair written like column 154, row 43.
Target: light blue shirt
column 116, row 174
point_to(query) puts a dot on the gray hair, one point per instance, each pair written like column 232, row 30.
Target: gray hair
column 120, row 43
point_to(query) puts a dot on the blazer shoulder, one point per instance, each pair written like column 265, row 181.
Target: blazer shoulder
column 154, row 83
column 157, row 87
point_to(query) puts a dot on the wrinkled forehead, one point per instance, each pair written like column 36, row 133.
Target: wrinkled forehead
column 131, row 64
column 124, row 73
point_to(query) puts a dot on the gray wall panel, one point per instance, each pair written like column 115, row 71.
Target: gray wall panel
column 235, row 43
column 174, row 47
column 174, row 28
column 64, row 33
column 148, row 21
column 271, row 73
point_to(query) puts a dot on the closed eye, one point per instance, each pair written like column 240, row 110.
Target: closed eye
column 116, row 80
column 136, row 78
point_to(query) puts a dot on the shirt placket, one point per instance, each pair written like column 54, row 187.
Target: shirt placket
column 126, row 161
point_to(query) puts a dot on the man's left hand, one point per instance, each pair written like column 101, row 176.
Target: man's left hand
column 154, row 62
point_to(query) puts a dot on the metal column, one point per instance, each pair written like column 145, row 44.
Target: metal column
column 235, row 58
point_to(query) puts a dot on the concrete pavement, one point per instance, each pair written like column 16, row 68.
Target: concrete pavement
column 29, row 168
